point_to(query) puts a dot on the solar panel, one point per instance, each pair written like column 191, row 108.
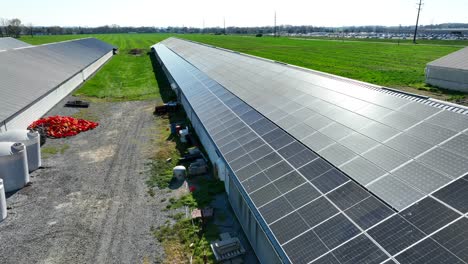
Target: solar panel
column 385, row 157
column 302, row 195
column 330, row 180
column 276, row 209
column 336, row 231
column 337, row 154
column 368, row 212
column 428, row 215
column 395, row 234
column 317, row 141
column 398, row 194
column 378, row 131
column 445, row 161
column 359, row 250
column 408, row 145
column 455, row 195
column 305, row 248
column 289, row 227
column 421, row 177
column 432, row 134
column 455, row 238
column 317, row 211
column 362, row 170
column 314, row 207
column 427, row 251
column 358, row 143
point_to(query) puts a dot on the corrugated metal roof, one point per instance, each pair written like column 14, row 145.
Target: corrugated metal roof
column 455, row 60
column 29, row 73
column 12, row 43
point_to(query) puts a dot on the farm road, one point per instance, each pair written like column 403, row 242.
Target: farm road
column 89, row 204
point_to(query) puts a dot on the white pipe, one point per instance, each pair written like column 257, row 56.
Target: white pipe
column 3, row 206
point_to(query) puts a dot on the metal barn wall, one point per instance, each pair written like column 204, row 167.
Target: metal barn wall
column 257, row 237
column 448, row 78
column 42, row 106
column 88, row 71
column 201, row 133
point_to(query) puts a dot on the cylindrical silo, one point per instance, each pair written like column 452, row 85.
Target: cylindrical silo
column 31, row 139
column 13, row 166
column 3, row 206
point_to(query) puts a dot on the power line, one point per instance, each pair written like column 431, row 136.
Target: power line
column 417, row 21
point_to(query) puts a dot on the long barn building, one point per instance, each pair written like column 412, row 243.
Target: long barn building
column 33, row 79
column 449, row 72
column 323, row 169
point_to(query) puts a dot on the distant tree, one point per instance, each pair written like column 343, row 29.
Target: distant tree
column 3, row 25
column 14, row 28
column 30, row 29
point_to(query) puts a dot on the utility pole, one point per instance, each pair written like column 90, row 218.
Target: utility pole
column 274, row 28
column 399, row 34
column 417, row 21
column 224, row 23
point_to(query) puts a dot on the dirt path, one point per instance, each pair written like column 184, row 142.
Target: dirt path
column 90, row 204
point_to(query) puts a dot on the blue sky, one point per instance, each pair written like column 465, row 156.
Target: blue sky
column 237, row 12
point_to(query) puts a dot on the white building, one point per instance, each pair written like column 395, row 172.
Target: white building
column 324, row 169
column 33, row 79
column 449, row 72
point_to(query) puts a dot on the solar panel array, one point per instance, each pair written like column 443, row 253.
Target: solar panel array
column 312, row 211
column 28, row 73
column 373, row 137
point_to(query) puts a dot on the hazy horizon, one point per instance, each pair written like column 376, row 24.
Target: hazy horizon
column 242, row 13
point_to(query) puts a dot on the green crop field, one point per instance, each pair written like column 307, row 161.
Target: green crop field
column 129, row 77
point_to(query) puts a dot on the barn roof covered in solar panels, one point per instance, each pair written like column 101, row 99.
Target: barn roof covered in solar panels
column 12, row 43
column 316, row 155
column 29, row 73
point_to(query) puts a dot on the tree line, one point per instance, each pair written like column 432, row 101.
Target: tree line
column 15, row 28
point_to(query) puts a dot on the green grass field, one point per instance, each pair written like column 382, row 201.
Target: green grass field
column 129, row 77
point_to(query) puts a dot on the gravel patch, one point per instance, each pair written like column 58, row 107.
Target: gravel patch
column 90, row 204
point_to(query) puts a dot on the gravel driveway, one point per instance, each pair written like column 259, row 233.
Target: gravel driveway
column 90, row 204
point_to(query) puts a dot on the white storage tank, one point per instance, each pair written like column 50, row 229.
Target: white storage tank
column 180, row 172
column 3, row 206
column 13, row 166
column 31, row 139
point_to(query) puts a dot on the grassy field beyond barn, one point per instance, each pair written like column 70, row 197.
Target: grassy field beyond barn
column 130, row 77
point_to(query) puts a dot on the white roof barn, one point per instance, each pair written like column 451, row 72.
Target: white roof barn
column 449, row 72
column 34, row 79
